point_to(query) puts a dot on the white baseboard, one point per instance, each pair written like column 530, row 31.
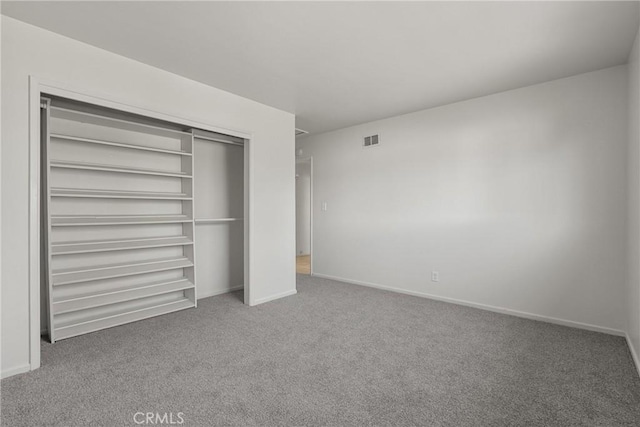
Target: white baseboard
column 220, row 292
column 15, row 371
column 634, row 353
column 495, row 309
column 273, row 297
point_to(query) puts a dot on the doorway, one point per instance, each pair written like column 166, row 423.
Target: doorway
column 304, row 216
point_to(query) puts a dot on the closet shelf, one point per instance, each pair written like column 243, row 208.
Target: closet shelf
column 66, row 328
column 115, row 169
column 101, row 120
column 215, row 220
column 97, row 299
column 109, row 194
column 110, row 271
column 86, row 220
column 119, row 144
column 66, row 248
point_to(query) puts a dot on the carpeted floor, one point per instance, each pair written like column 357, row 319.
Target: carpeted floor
column 334, row 354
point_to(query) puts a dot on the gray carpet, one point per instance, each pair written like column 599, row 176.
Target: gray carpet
column 334, row 354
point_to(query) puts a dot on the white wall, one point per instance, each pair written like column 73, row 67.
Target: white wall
column 28, row 50
column 517, row 199
column 633, row 299
column 303, row 208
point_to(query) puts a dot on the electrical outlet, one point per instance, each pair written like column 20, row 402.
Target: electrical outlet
column 435, row 276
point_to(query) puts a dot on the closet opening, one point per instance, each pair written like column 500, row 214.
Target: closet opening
column 138, row 217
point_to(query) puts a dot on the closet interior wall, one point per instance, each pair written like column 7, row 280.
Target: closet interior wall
column 219, row 213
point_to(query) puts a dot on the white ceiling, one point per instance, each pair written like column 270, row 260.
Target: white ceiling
column 336, row 64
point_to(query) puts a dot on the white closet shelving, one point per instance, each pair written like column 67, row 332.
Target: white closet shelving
column 118, row 204
column 106, row 194
column 67, row 248
column 83, row 220
column 119, row 144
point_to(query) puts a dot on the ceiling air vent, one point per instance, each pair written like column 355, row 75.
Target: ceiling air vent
column 371, row 141
column 300, row 132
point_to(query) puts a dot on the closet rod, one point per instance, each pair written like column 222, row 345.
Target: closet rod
column 96, row 116
column 208, row 138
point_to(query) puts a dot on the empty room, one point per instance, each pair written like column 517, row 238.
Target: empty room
column 283, row 213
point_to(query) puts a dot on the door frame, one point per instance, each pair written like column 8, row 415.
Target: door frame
column 38, row 88
column 311, row 251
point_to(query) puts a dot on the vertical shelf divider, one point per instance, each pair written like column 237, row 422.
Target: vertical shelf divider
column 190, row 251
